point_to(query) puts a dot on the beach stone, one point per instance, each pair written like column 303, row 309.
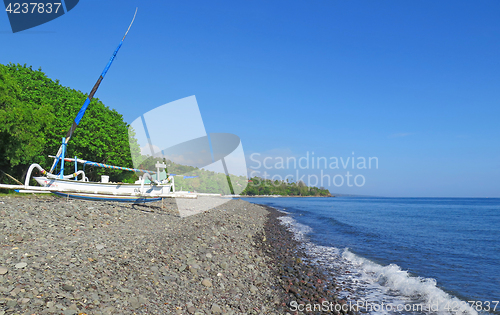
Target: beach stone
column 99, row 246
column 73, row 307
column 125, row 290
column 3, row 270
column 253, row 289
column 134, row 302
column 68, row 287
column 216, row 309
column 11, row 303
column 206, row 282
column 191, row 310
column 21, row 265
column 15, row 291
column 195, row 266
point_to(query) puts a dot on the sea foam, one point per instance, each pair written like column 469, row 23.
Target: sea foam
column 376, row 288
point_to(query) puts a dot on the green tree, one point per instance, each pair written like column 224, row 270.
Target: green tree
column 36, row 112
column 259, row 186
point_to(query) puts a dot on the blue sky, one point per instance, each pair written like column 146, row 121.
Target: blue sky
column 413, row 83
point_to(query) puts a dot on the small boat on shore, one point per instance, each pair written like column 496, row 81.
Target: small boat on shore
column 151, row 186
column 147, row 188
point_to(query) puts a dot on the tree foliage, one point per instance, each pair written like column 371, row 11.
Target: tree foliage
column 258, row 186
column 205, row 181
column 36, row 112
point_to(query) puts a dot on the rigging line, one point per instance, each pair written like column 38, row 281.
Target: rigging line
column 85, row 105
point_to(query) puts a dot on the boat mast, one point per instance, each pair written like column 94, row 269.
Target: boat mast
column 80, row 114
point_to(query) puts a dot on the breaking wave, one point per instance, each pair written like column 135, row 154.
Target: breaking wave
column 375, row 288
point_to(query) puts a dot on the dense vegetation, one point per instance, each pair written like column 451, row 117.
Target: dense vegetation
column 259, row 186
column 36, row 112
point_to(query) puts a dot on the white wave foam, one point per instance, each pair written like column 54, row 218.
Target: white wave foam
column 299, row 230
column 417, row 289
column 283, row 210
column 373, row 285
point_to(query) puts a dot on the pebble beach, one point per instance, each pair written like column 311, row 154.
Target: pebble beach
column 60, row 256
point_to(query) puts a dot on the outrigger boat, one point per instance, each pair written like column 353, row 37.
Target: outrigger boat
column 152, row 186
column 146, row 189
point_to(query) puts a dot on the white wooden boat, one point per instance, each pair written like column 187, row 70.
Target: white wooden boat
column 105, row 188
column 145, row 189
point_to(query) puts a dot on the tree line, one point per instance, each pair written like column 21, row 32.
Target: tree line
column 259, row 186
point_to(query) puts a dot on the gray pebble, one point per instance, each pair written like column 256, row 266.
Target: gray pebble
column 207, row 282
column 216, row 309
column 134, row 302
column 253, row 289
column 21, row 265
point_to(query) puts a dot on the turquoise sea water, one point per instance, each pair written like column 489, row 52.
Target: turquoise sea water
column 433, row 252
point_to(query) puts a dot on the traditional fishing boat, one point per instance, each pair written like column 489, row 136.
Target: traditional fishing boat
column 147, row 188
column 151, row 186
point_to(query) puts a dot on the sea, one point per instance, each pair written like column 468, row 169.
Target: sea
column 403, row 255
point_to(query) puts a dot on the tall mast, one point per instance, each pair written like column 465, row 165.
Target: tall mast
column 80, row 114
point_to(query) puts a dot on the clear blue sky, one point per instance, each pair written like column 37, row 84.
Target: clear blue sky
column 414, row 83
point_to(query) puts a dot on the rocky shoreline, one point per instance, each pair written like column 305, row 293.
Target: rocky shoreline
column 307, row 287
column 60, row 256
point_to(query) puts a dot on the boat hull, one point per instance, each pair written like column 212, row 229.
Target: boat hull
column 98, row 197
column 66, row 186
